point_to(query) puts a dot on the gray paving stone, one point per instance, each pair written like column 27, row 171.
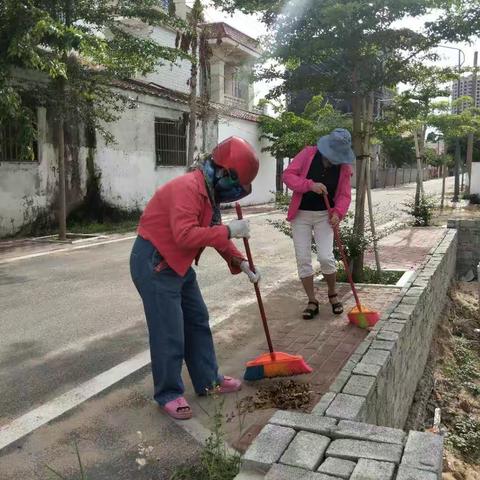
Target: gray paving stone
column 414, row 292
column 356, row 449
column 376, row 357
column 306, row 451
column 373, row 470
column 409, row 473
column 367, row 369
column 360, row 385
column 324, row 403
column 340, row 381
column 403, row 308
column 337, row 466
column 304, row 421
column 394, row 327
column 285, row 472
column 366, row 431
column 388, row 336
column 348, row 407
column 400, row 316
column 383, row 345
column 412, row 300
column 363, row 347
column 424, row 451
column 268, row 447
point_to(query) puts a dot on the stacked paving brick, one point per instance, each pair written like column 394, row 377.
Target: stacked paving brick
column 354, row 432
column 468, row 254
column 313, row 447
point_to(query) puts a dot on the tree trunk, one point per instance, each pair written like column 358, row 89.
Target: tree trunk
column 444, row 175
column 192, row 118
column 279, row 182
column 62, row 197
column 418, row 154
column 372, row 220
column 458, row 154
column 362, row 123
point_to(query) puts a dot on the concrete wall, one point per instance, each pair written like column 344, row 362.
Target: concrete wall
column 468, row 255
column 475, row 188
column 264, row 184
column 129, row 174
column 378, row 384
column 28, row 190
column 387, row 177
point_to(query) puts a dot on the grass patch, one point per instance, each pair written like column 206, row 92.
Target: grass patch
column 457, row 376
column 385, row 277
column 122, row 226
column 216, row 461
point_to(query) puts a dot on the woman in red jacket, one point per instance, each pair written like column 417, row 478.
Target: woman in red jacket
column 315, row 171
column 181, row 219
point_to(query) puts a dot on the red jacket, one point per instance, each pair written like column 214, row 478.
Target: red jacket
column 177, row 222
column 295, row 178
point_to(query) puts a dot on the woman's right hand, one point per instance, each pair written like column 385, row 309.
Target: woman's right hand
column 319, row 188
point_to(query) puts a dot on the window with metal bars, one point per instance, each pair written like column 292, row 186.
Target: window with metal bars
column 170, row 142
column 12, row 145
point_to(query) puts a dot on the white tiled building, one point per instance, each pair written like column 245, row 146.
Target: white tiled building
column 151, row 140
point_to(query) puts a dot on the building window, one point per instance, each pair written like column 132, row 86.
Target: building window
column 165, row 4
column 170, row 142
column 13, row 147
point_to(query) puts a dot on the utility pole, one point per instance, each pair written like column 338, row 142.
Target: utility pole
column 470, row 135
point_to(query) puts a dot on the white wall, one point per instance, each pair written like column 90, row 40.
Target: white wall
column 264, row 183
column 174, row 76
column 28, row 189
column 475, row 188
column 129, row 174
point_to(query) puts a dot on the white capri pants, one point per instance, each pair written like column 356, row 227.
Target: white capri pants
column 304, row 224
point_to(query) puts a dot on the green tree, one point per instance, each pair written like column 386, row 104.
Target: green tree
column 354, row 49
column 73, row 52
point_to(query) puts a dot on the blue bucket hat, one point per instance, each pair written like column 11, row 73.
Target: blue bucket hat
column 337, row 147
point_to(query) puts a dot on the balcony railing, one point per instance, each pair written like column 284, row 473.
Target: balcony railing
column 236, row 102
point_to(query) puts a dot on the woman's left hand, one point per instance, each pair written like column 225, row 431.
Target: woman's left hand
column 254, row 277
column 334, row 220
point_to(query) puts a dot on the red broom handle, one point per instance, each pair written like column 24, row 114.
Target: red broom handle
column 342, row 254
column 257, row 289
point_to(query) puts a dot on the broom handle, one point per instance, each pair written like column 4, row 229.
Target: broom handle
column 257, row 289
column 342, row 254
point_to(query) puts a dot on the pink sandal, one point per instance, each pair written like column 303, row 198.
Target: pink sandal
column 229, row 385
column 178, row 409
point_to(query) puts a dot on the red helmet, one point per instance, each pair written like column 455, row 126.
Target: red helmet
column 237, row 154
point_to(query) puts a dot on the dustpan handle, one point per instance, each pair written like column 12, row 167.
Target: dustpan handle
column 342, row 254
column 257, row 289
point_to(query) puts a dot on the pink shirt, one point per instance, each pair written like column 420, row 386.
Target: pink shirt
column 295, row 178
column 177, row 222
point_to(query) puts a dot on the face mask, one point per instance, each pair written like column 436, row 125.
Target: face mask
column 227, row 187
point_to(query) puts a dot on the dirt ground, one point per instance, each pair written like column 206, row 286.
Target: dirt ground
column 456, row 383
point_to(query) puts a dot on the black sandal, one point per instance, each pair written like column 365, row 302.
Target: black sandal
column 337, row 308
column 309, row 313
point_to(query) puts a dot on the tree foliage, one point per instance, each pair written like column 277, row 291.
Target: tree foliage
column 83, row 46
column 288, row 133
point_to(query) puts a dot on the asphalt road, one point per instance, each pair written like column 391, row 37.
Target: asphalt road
column 66, row 317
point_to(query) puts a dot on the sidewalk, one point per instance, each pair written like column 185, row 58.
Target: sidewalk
column 106, row 426
column 24, row 247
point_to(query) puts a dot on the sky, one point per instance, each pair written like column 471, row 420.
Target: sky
column 252, row 26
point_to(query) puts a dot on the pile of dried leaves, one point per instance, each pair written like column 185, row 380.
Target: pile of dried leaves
column 282, row 395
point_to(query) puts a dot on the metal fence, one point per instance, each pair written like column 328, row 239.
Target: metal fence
column 170, row 142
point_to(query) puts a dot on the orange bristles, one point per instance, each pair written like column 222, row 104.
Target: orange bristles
column 365, row 318
column 277, row 365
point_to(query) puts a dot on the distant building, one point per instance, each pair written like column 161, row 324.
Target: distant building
column 466, row 89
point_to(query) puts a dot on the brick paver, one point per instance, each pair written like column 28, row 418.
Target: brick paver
column 406, row 248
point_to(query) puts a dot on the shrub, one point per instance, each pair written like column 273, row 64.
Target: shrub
column 423, row 212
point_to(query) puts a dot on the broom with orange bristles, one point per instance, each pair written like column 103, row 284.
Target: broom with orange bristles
column 272, row 364
column 358, row 315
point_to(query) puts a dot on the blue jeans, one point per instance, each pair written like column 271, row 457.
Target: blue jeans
column 178, row 327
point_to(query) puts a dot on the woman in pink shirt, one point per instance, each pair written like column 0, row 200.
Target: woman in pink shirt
column 315, row 171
